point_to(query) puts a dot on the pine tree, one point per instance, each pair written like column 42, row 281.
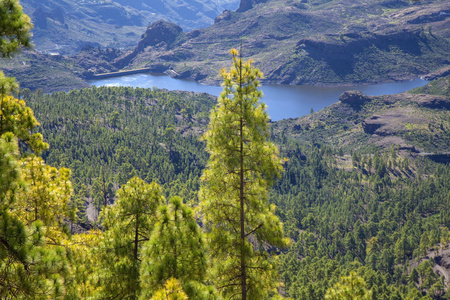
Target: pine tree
column 176, row 249
column 33, row 196
column 350, row 287
column 45, row 196
column 15, row 27
column 18, row 118
column 172, row 290
column 241, row 168
column 128, row 224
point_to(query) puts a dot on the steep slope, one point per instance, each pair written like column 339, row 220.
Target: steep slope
column 65, row 26
column 50, row 73
column 314, row 42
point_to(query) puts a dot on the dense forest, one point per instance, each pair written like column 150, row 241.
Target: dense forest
column 382, row 215
column 122, row 193
column 108, row 135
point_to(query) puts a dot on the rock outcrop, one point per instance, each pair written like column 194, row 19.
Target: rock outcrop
column 435, row 102
column 371, row 125
column 354, row 98
column 248, row 4
column 161, row 35
column 226, row 15
column 159, row 32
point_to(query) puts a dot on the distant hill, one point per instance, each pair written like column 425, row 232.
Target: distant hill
column 313, row 42
column 415, row 121
column 65, row 26
column 310, row 41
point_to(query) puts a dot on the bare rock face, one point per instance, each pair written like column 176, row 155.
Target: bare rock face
column 158, row 32
column 353, row 98
column 371, row 125
column 435, row 102
column 160, row 35
column 226, row 15
column 248, row 4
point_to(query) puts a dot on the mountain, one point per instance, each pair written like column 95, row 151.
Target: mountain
column 314, row 42
column 309, row 42
column 65, row 26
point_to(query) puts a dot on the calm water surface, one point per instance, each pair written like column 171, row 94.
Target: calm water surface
column 283, row 101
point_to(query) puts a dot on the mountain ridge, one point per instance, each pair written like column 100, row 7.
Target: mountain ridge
column 313, row 42
column 65, row 26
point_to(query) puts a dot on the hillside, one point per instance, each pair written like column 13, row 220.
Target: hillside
column 50, row 73
column 347, row 204
column 117, row 133
column 309, row 42
column 65, row 26
column 117, row 192
column 416, row 121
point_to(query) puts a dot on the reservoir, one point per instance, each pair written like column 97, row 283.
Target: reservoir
column 283, row 101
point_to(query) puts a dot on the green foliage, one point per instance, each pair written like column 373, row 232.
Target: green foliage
column 45, row 195
column 33, row 263
column 370, row 222
column 105, row 141
column 441, row 86
column 128, row 224
column 172, row 290
column 175, row 249
column 9, row 166
column 15, row 27
column 16, row 117
column 372, row 215
column 241, row 168
column 350, row 287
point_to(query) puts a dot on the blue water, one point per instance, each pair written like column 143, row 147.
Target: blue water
column 283, row 101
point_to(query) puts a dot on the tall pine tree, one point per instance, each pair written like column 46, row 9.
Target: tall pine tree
column 29, row 267
column 242, row 166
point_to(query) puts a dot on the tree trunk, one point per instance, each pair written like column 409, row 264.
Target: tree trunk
column 241, row 194
column 136, row 238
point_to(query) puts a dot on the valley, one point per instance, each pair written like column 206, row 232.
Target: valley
column 161, row 184
column 308, row 43
column 66, row 26
column 292, row 42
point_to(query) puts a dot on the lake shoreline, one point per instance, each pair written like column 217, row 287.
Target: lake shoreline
column 208, row 81
column 283, row 101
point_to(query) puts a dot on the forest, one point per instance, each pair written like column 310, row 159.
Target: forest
column 130, row 193
column 384, row 218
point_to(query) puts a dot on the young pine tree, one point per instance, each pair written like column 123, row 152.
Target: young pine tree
column 128, row 224
column 242, row 166
column 175, row 250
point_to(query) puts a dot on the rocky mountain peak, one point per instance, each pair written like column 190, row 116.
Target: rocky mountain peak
column 157, row 32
